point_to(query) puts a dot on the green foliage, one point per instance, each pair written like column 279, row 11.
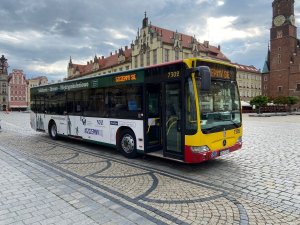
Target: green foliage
column 292, row 100
column 286, row 100
column 259, row 101
column 280, row 100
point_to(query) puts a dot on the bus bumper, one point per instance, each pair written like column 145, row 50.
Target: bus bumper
column 191, row 157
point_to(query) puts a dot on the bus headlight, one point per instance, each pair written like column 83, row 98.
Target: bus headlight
column 199, row 149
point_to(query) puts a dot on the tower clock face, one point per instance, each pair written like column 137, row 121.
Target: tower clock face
column 279, row 20
column 292, row 19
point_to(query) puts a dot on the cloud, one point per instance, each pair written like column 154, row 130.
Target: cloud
column 211, row 2
column 221, row 29
column 116, row 34
column 19, row 37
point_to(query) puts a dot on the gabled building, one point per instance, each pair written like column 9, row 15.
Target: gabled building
column 17, row 90
column 152, row 45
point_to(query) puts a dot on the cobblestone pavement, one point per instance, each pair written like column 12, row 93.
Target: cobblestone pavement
column 66, row 182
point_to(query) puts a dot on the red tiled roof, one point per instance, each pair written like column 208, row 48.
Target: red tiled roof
column 187, row 40
column 251, row 68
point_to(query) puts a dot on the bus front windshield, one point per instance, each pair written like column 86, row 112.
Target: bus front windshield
column 219, row 107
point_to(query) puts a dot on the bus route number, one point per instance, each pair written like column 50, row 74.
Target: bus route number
column 173, row 74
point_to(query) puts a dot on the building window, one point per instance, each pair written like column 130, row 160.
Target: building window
column 127, row 67
column 265, row 78
column 135, row 62
column 176, row 54
column 265, row 87
column 121, row 69
column 279, row 59
column 279, row 88
column 142, row 60
column 298, row 87
column 166, row 55
column 155, row 56
column 148, row 58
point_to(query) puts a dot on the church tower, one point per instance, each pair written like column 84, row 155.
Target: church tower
column 283, row 61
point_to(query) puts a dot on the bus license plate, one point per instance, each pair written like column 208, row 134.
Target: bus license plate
column 224, row 152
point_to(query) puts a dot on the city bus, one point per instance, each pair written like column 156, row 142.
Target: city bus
column 187, row 110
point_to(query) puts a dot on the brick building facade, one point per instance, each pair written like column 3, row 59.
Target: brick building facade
column 281, row 72
column 17, row 90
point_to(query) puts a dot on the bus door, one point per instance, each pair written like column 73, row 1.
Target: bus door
column 172, row 118
column 153, row 120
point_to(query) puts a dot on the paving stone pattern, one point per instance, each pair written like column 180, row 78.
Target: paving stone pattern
column 66, row 182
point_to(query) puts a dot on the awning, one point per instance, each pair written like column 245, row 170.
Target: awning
column 243, row 103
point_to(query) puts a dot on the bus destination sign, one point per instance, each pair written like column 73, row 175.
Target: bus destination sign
column 125, row 78
column 220, row 73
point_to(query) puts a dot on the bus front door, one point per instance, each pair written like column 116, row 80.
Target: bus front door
column 172, row 120
column 153, row 128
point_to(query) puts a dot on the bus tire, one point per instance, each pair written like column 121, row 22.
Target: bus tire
column 53, row 131
column 127, row 144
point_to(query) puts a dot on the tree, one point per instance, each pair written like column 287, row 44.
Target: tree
column 292, row 100
column 259, row 101
column 280, row 100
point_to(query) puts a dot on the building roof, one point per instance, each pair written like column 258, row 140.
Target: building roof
column 103, row 62
column 187, row 42
column 266, row 68
column 38, row 78
column 245, row 68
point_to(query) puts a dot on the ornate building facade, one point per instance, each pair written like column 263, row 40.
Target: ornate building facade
column 281, row 72
column 17, row 90
column 152, row 45
column 3, row 84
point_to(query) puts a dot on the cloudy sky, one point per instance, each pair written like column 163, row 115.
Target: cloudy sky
column 39, row 36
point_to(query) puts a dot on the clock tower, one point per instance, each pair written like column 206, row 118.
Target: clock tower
column 281, row 73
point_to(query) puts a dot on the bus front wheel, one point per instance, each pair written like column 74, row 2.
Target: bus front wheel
column 53, row 131
column 127, row 144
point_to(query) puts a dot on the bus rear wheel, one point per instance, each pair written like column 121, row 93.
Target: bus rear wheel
column 127, row 144
column 53, row 131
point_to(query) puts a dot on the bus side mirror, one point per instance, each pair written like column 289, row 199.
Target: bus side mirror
column 203, row 73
